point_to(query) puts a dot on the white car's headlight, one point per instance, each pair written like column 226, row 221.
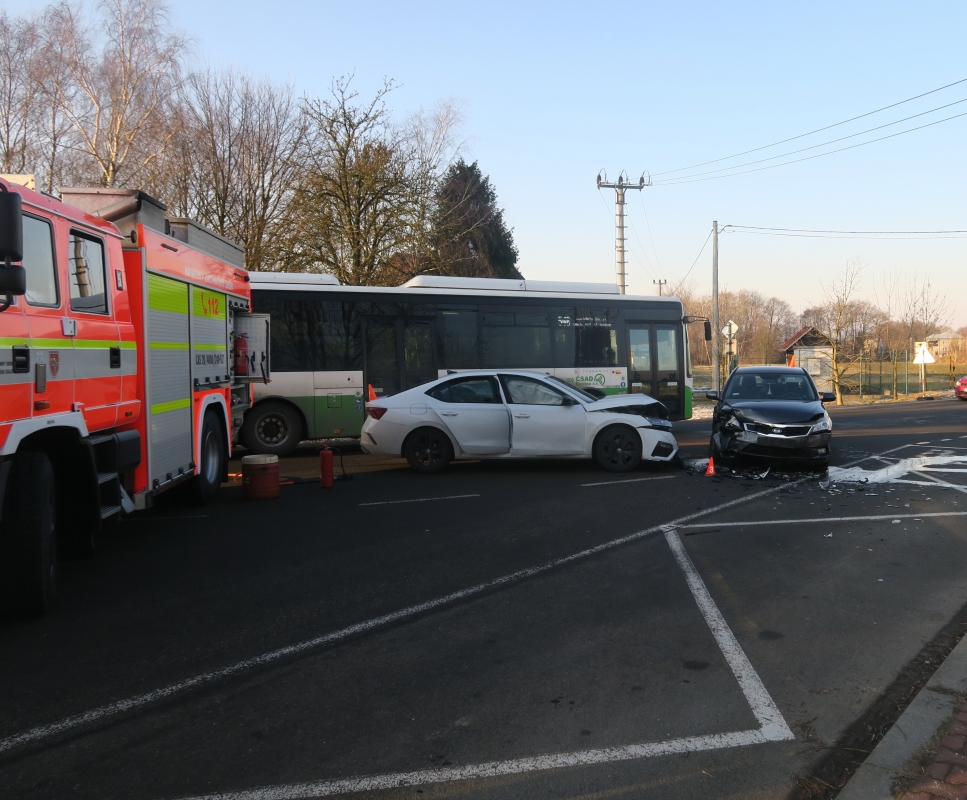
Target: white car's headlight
column 825, row 424
column 661, row 424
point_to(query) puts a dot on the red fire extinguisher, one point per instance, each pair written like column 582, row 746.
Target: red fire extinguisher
column 325, row 467
column 241, row 354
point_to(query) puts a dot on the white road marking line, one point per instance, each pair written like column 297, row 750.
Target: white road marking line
column 766, row 712
column 773, row 727
column 942, row 483
column 871, row 518
column 198, row 681
column 138, row 701
column 418, row 500
column 629, row 480
column 890, row 473
column 495, row 769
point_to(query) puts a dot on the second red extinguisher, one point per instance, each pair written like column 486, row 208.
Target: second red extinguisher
column 325, row 467
column 241, row 355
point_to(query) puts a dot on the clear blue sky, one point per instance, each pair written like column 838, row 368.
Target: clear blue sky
column 552, row 92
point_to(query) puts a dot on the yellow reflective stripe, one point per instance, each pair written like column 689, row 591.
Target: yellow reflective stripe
column 169, row 345
column 12, row 341
column 210, row 347
column 165, row 294
column 208, row 304
column 171, row 405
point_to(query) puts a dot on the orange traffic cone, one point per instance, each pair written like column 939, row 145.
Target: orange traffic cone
column 710, row 469
column 370, row 394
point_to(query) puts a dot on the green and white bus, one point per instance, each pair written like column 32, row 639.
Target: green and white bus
column 331, row 342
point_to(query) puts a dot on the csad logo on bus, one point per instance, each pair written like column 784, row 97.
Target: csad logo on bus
column 594, row 380
column 54, row 360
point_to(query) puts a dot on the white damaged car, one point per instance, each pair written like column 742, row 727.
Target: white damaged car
column 516, row 414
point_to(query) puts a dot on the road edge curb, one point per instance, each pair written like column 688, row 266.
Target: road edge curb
column 932, row 706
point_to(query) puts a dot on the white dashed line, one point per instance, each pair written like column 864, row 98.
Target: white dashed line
column 630, row 480
column 418, row 500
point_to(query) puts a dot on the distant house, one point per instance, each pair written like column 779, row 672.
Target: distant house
column 946, row 344
column 812, row 351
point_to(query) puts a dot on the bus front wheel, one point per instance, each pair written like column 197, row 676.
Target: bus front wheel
column 272, row 429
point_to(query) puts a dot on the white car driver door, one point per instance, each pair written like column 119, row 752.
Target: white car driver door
column 543, row 423
column 471, row 407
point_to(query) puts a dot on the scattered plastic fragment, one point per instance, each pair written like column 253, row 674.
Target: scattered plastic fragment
column 879, row 580
column 828, row 536
column 824, row 484
column 896, row 522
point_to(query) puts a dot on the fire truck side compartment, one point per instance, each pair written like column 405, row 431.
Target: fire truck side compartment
column 169, row 381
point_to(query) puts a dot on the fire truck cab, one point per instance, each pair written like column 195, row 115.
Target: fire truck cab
column 118, row 372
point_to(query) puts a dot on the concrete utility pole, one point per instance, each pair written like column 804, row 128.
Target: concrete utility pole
column 716, row 352
column 659, row 284
column 620, row 187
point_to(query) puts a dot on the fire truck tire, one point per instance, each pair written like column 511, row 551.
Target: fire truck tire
column 28, row 541
column 211, row 468
column 272, row 428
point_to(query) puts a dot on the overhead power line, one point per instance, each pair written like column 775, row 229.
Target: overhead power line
column 682, row 178
column 687, row 179
column 808, row 230
column 682, row 282
column 810, row 133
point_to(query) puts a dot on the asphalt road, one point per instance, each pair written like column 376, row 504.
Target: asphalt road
column 503, row 630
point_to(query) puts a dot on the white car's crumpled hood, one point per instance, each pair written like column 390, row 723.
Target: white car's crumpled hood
column 620, row 400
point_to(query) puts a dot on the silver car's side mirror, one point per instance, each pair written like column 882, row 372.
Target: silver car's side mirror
column 713, row 395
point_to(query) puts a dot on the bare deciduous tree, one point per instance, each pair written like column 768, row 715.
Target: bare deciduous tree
column 836, row 320
column 350, row 210
column 119, row 101
column 236, row 161
column 19, row 46
column 364, row 208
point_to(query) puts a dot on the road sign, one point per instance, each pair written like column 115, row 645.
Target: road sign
column 730, row 329
column 923, row 354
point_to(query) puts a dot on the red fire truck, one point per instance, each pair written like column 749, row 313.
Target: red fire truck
column 127, row 346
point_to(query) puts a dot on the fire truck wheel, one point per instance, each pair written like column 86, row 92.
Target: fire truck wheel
column 28, row 543
column 211, row 469
column 272, row 429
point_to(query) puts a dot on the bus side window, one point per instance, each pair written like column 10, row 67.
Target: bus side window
column 458, row 340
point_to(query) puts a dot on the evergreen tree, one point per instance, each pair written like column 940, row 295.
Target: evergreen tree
column 470, row 237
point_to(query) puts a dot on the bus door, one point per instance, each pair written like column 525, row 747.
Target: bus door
column 399, row 353
column 655, row 364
